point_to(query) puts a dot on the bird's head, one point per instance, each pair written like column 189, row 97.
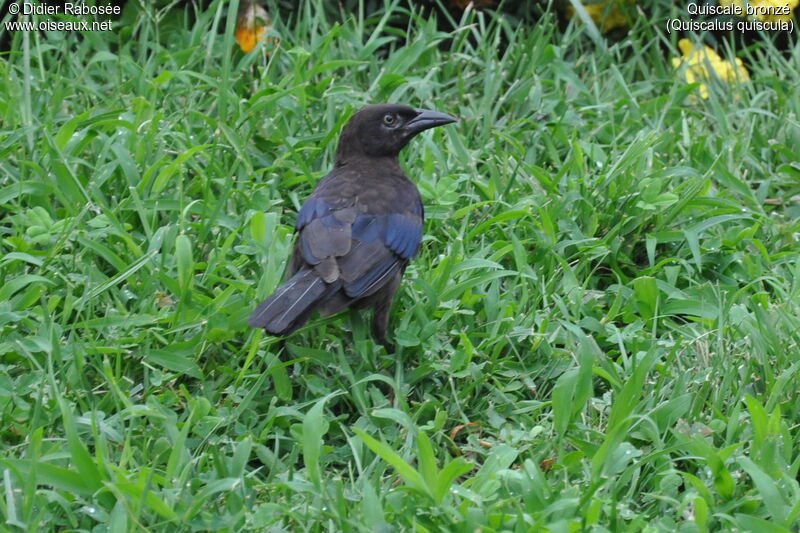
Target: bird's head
column 382, row 130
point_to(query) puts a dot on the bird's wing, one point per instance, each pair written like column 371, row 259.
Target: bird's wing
column 342, row 240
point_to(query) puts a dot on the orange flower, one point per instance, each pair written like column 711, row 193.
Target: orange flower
column 251, row 25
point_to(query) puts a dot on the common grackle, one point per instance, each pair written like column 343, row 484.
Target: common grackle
column 358, row 229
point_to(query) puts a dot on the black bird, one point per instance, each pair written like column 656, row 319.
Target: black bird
column 358, row 229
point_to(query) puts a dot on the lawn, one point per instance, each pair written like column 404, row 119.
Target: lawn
column 601, row 331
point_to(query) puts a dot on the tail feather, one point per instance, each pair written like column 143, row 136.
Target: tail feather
column 288, row 308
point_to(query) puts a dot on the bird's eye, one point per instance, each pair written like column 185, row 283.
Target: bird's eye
column 389, row 119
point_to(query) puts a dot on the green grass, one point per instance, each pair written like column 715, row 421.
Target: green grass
column 599, row 334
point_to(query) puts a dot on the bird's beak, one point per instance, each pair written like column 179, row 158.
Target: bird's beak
column 427, row 119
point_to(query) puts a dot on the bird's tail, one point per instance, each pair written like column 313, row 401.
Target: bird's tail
column 288, row 308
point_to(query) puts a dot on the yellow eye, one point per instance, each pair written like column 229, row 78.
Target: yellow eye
column 389, row 119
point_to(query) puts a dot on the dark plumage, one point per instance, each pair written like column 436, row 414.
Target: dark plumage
column 358, row 229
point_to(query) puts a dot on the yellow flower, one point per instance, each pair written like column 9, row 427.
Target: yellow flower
column 705, row 64
column 606, row 15
column 766, row 10
column 251, row 25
